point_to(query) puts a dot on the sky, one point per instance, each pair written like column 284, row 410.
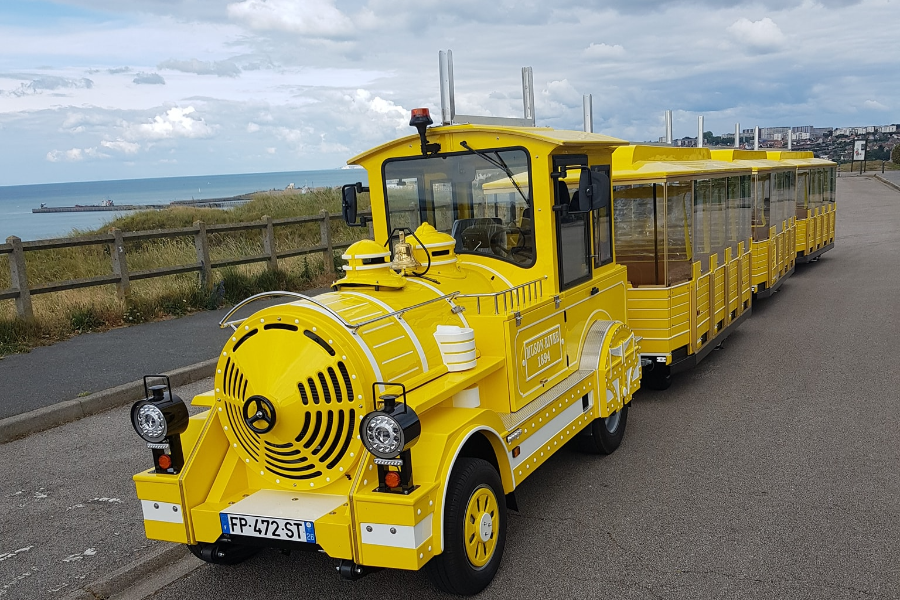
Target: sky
column 119, row 89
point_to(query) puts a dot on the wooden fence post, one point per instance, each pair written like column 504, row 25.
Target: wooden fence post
column 328, row 253
column 201, row 243
column 120, row 265
column 269, row 243
column 19, row 279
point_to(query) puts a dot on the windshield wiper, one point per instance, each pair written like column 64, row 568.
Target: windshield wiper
column 499, row 163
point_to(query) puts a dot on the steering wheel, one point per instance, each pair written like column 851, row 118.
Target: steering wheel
column 258, row 409
column 498, row 243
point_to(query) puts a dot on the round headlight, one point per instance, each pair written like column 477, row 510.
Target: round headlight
column 383, row 436
column 149, row 422
column 387, row 433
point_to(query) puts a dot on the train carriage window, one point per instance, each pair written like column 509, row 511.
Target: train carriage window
column 484, row 204
column 717, row 208
column 779, row 191
column 802, row 194
column 678, row 228
column 816, row 188
column 640, row 232
column 736, row 215
column 702, row 226
column 746, row 208
column 762, row 197
column 790, row 197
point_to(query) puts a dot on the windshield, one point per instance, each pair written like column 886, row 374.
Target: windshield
column 482, row 199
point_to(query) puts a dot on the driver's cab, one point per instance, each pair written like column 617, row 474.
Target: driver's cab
column 529, row 214
column 520, row 203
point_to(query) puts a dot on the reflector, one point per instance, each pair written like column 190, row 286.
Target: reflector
column 392, row 479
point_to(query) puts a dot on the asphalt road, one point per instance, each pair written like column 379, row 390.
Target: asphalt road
column 68, row 510
column 770, row 471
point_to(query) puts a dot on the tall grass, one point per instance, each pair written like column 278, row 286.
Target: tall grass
column 60, row 315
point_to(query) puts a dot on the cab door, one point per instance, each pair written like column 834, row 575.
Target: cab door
column 584, row 248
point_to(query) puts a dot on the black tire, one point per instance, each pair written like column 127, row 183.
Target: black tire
column 222, row 553
column 599, row 439
column 452, row 571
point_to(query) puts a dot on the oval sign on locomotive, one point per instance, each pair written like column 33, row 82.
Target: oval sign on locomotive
column 542, row 352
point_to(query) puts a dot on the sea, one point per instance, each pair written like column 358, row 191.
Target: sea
column 16, row 201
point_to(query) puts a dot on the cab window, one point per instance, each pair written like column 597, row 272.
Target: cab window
column 482, row 200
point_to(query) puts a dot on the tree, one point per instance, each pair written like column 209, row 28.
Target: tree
column 895, row 155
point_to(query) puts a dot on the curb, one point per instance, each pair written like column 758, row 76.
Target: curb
column 19, row 426
column 888, row 183
column 133, row 574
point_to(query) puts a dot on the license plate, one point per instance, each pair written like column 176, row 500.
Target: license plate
column 269, row 527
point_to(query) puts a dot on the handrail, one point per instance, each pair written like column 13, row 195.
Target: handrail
column 516, row 293
column 351, row 326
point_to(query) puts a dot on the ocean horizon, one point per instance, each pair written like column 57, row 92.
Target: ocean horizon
column 16, row 201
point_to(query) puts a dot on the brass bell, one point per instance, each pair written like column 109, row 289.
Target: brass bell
column 403, row 257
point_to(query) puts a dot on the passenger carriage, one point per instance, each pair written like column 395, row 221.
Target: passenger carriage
column 773, row 217
column 815, row 214
column 682, row 229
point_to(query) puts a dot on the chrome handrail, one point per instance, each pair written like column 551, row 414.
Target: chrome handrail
column 351, row 326
column 517, row 295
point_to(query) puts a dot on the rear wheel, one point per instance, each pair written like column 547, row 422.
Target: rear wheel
column 474, row 530
column 604, row 435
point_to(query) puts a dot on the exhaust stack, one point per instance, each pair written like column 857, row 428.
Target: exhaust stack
column 588, row 114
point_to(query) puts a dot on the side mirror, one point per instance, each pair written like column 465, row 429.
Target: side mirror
column 348, row 203
column 594, row 188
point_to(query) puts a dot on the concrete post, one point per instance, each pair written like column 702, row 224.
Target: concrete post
column 120, row 265
column 19, row 279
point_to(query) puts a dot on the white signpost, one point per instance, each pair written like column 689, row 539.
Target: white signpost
column 859, row 153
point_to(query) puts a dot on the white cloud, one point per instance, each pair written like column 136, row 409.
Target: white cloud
column 40, row 84
column 562, row 92
column 760, row 35
column 875, row 105
column 222, row 68
column 149, row 79
column 174, row 123
column 121, row 146
column 314, row 18
column 74, row 155
column 252, row 127
column 604, row 51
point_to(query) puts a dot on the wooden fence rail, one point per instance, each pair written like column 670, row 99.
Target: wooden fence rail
column 122, row 277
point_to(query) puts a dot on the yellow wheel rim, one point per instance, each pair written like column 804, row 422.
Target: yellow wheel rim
column 481, row 526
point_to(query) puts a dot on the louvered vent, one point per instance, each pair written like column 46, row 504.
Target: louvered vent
column 327, row 429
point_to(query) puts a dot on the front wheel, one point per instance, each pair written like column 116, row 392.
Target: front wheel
column 474, row 530
column 604, row 435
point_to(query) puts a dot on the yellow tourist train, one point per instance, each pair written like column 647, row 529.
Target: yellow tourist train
column 519, row 283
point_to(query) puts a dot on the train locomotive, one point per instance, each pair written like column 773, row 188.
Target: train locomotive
column 510, row 303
